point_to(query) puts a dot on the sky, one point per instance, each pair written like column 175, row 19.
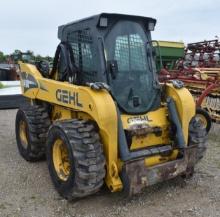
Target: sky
column 32, row 24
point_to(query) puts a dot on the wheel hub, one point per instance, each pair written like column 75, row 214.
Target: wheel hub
column 61, row 159
column 202, row 120
column 23, row 134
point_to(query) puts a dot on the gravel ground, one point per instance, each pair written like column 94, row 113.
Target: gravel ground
column 26, row 189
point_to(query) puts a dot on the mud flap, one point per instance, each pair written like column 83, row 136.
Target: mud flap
column 136, row 176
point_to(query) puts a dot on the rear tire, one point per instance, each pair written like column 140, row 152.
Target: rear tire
column 198, row 137
column 205, row 118
column 80, row 172
column 32, row 124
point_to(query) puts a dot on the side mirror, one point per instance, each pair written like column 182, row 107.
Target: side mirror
column 113, row 68
column 44, row 68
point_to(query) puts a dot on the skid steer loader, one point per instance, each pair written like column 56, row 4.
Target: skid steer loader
column 100, row 115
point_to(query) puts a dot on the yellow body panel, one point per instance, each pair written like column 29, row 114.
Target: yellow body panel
column 72, row 101
column 185, row 106
column 62, row 113
column 156, row 118
column 158, row 159
column 33, row 71
column 153, row 118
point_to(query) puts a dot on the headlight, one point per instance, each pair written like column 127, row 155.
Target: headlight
column 151, row 26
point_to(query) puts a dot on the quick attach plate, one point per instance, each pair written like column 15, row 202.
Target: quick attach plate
column 136, row 176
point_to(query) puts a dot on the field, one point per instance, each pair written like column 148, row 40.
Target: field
column 26, row 189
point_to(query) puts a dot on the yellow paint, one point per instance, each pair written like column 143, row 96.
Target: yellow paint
column 158, row 159
column 61, row 160
column 154, row 160
column 156, row 118
column 30, row 69
column 61, row 113
column 23, row 133
column 83, row 115
column 149, row 140
column 185, row 106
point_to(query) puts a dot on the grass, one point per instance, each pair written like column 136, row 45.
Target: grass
column 1, row 85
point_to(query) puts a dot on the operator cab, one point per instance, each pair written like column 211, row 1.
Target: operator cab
column 114, row 49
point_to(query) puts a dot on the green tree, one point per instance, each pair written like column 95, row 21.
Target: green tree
column 2, row 57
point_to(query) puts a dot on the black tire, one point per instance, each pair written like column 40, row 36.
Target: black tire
column 198, row 137
column 37, row 124
column 85, row 155
column 205, row 115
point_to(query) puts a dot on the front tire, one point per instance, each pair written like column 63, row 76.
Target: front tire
column 75, row 158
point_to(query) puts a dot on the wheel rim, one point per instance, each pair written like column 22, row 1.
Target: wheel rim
column 202, row 119
column 23, row 134
column 61, row 160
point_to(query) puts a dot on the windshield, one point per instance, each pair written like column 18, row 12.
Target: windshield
column 133, row 85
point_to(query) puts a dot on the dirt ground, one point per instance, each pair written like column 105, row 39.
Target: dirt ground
column 26, row 189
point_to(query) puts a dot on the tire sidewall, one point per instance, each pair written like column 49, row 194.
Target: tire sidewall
column 23, row 151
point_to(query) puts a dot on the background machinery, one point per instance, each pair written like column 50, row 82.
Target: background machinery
column 199, row 69
column 100, row 115
column 10, row 89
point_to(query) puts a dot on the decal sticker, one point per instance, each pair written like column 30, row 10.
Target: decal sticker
column 28, row 81
column 68, row 97
column 138, row 119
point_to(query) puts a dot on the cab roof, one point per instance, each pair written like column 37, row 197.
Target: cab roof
column 94, row 21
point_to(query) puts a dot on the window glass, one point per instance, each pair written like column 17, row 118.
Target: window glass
column 132, row 86
column 130, row 44
column 83, row 52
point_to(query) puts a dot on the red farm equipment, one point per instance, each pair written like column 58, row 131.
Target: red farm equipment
column 199, row 69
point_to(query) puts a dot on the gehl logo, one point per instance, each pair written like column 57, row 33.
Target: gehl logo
column 137, row 119
column 68, row 97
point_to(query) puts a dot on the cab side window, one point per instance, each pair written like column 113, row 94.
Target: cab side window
column 84, row 54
